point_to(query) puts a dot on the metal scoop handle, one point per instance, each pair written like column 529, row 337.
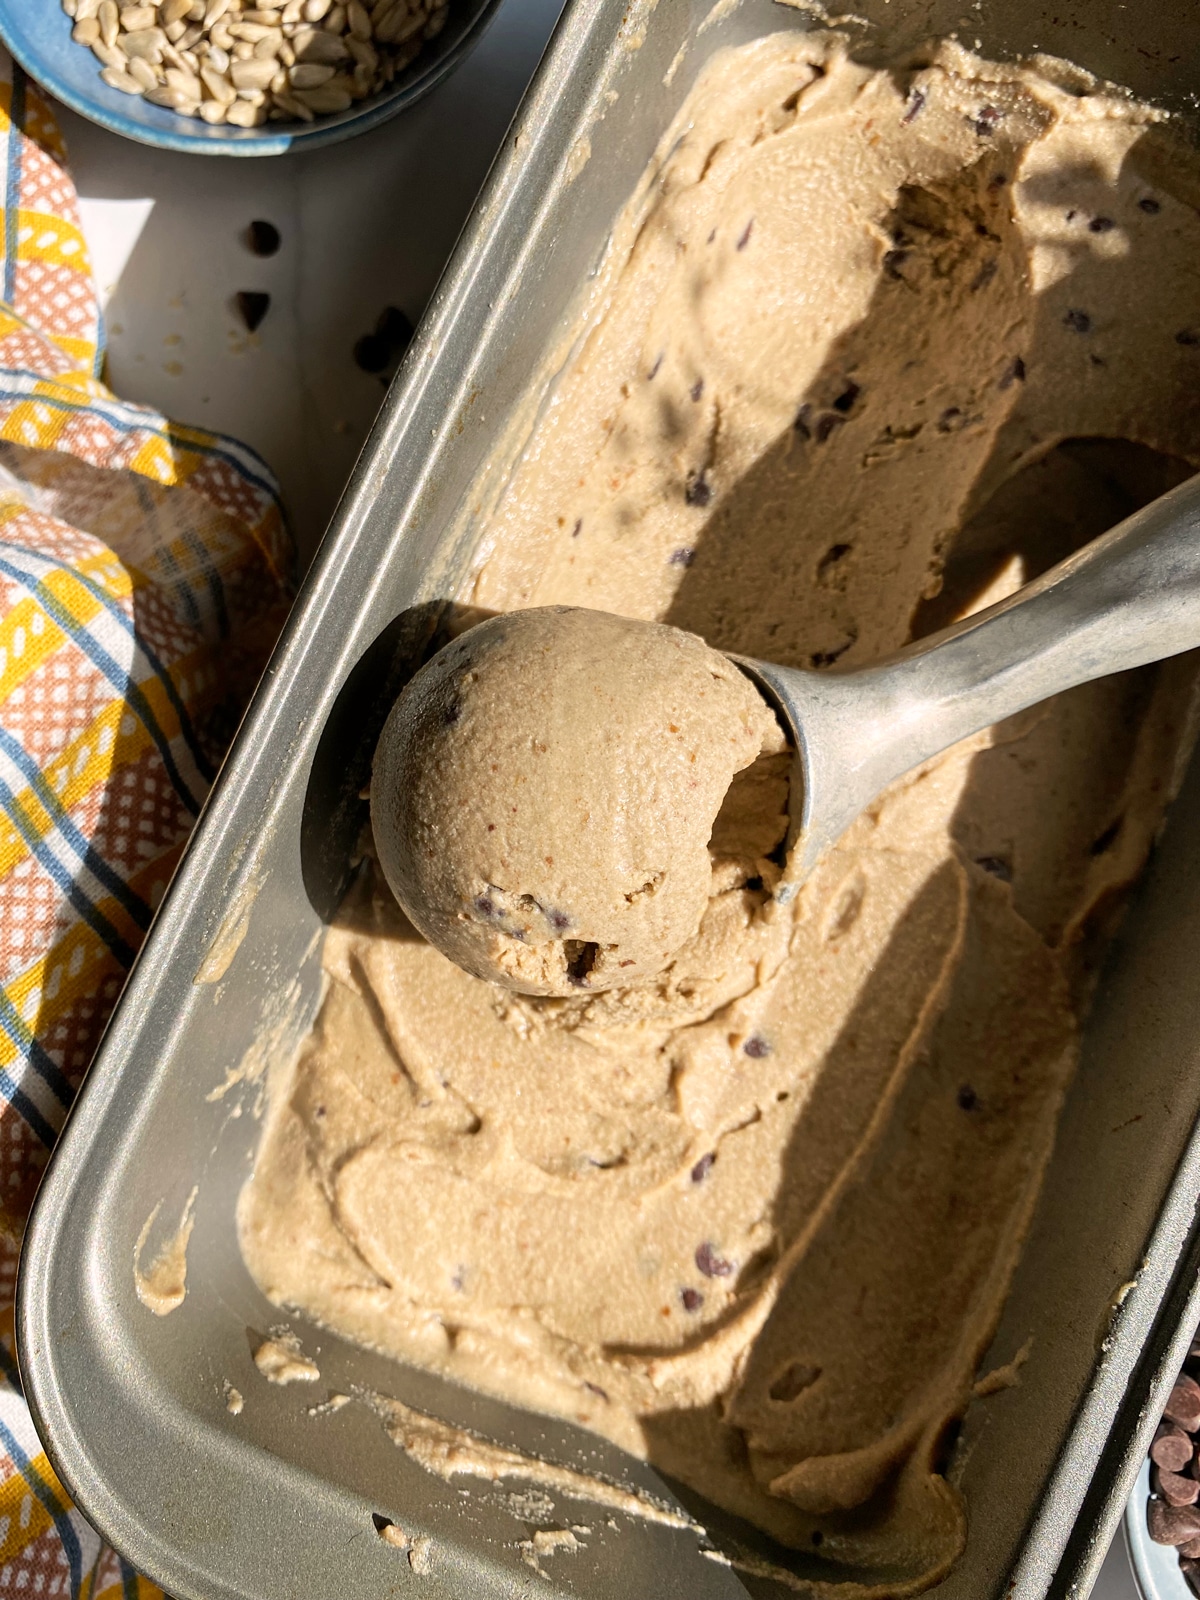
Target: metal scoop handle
column 1130, row 597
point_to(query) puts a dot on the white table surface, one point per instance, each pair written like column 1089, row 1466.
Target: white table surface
column 364, row 226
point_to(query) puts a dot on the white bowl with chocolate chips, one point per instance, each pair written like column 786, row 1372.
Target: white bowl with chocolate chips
column 1162, row 1523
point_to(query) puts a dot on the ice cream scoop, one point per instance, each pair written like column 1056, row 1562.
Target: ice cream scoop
column 545, row 790
column 545, row 787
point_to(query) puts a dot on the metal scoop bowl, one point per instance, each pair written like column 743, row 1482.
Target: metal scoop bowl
column 1129, row 597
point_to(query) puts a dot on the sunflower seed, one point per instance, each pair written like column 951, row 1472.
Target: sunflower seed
column 293, row 107
column 214, row 11
column 212, row 111
column 286, row 54
column 116, row 79
column 198, row 8
column 175, row 31
column 364, row 53
column 310, row 75
column 86, row 32
column 315, row 10
column 143, row 72
column 110, row 55
column 85, row 9
column 135, row 17
column 268, row 49
column 169, row 99
column 252, row 74
column 173, row 11
column 186, row 84
column 218, row 59
column 292, row 12
column 357, row 20
column 221, row 90
column 243, row 115
column 110, row 21
column 435, row 25
column 314, row 46
column 69, row 8
column 329, row 97
column 252, row 32
column 145, row 43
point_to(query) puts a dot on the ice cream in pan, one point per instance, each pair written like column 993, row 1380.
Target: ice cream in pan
column 873, row 348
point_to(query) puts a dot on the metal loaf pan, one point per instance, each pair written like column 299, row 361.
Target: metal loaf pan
column 274, row 1502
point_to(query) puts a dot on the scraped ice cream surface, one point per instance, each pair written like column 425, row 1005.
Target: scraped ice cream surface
column 546, row 788
column 869, row 350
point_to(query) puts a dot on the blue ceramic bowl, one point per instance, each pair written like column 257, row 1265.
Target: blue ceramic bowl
column 38, row 32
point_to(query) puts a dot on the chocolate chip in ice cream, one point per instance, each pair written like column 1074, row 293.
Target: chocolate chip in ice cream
column 710, row 1263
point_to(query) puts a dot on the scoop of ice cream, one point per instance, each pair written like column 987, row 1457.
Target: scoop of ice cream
column 545, row 789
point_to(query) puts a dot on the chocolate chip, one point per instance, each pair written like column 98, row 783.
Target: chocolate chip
column 967, row 1098
column 1183, row 1404
column 913, row 107
column 744, row 240
column 1078, row 322
column 1188, row 336
column 252, row 306
column 379, row 353
column 262, row 238
column 791, row 1383
column 697, row 491
column 1149, row 205
column 581, row 956
column 987, row 119
column 704, row 1166
column 1014, row 372
column 1107, row 839
column 578, row 528
column 756, row 1047
column 831, row 558
column 697, row 389
column 692, row 1300
column 845, row 401
column 826, row 423
column 997, row 866
column 1171, row 1449
column 1175, row 1489
column 1101, row 225
column 826, row 658
column 714, row 1266
column 801, row 423
column 1171, row 1524
column 683, row 557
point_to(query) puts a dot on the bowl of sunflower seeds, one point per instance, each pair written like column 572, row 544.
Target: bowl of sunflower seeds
column 240, row 77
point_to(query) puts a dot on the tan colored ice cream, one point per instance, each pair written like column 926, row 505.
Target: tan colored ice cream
column 869, row 349
column 545, row 790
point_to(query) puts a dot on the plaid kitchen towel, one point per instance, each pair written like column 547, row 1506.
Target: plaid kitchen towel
column 143, row 578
